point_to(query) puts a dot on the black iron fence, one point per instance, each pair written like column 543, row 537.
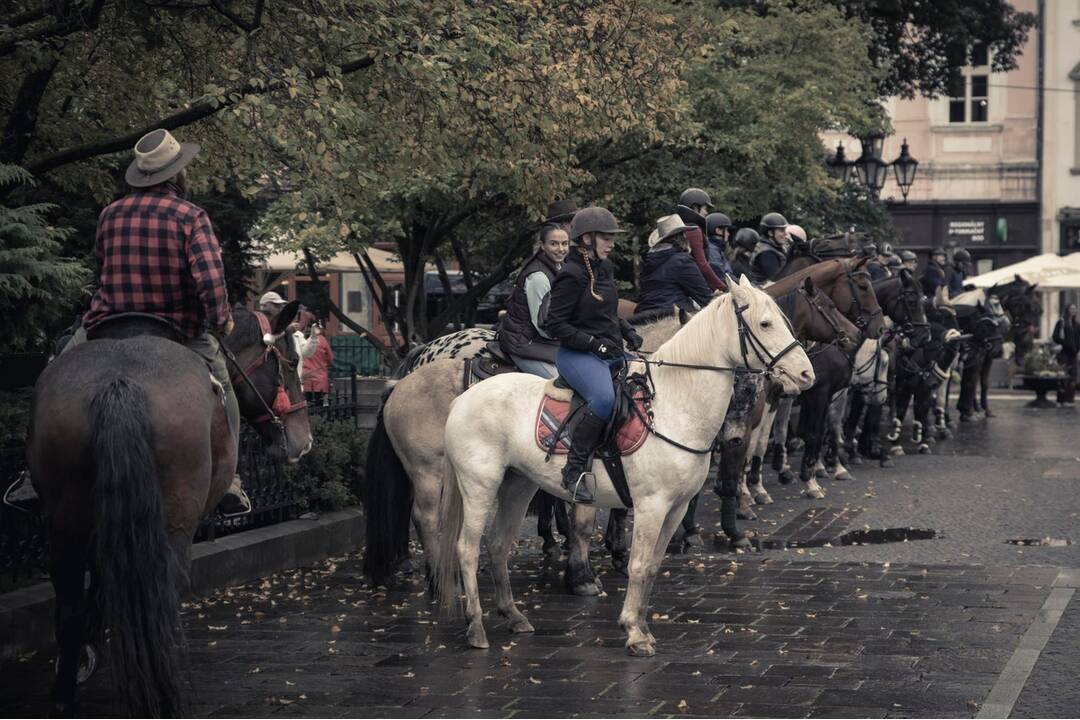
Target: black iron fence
column 23, row 548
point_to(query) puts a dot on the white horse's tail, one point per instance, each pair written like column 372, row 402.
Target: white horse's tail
column 447, row 575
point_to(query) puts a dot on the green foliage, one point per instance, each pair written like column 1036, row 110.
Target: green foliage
column 328, row 477
column 762, row 86
column 1042, row 361
column 37, row 286
column 14, row 416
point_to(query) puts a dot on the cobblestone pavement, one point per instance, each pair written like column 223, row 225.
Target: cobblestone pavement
column 916, row 629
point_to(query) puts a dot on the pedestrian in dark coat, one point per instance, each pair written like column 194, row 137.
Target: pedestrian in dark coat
column 1067, row 335
column 934, row 275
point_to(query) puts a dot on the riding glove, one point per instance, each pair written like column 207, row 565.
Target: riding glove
column 601, row 349
column 633, row 340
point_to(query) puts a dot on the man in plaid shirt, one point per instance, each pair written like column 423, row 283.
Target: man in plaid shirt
column 159, row 255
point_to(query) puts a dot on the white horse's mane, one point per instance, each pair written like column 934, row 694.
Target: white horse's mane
column 969, row 298
column 691, row 343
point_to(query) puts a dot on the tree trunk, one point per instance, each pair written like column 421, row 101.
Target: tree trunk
column 313, row 272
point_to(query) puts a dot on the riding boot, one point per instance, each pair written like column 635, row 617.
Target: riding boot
column 583, row 441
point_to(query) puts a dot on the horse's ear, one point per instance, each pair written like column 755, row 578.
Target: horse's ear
column 286, row 316
column 808, row 286
column 738, row 290
column 684, row 317
column 745, row 282
column 1031, row 290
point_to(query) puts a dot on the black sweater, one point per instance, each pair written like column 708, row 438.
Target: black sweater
column 575, row 317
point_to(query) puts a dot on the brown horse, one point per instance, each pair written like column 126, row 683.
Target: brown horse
column 129, row 447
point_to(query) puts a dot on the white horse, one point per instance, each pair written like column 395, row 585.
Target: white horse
column 493, row 458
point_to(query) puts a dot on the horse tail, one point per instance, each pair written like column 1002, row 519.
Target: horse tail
column 388, row 499
column 447, row 574
column 137, row 570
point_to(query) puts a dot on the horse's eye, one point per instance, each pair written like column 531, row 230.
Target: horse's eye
column 766, row 323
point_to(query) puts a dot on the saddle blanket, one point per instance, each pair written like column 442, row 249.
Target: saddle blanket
column 552, row 413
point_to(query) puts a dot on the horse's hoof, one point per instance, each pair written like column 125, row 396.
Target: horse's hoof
column 855, row 459
column 897, row 450
column 763, row 498
column 924, row 449
column 944, row 434
column 742, row 543
column 989, row 413
column 746, row 514
column 814, row 493
column 821, row 472
column 552, row 550
column 477, row 637
column 641, row 649
column 693, row 540
column 786, row 477
column 521, row 626
column 845, row 475
column 586, row 589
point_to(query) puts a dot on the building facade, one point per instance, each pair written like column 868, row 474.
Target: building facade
column 1060, row 196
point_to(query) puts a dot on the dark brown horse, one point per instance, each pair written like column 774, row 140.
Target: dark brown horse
column 129, row 448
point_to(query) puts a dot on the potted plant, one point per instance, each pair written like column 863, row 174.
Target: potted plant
column 1042, row 373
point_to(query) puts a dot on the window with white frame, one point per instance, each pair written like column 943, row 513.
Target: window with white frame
column 969, row 84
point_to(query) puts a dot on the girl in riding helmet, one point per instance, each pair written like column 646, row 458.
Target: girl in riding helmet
column 670, row 277
column 521, row 334
column 717, row 231
column 746, row 239
column 583, row 317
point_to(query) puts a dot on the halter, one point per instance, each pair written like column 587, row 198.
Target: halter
column 283, row 404
column 862, row 317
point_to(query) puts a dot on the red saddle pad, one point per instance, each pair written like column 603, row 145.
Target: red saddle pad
column 551, row 414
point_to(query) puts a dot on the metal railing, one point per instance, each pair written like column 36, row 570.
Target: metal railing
column 23, row 546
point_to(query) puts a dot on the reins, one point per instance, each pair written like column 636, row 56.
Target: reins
column 279, row 409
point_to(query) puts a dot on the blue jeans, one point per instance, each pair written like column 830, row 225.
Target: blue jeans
column 535, row 367
column 590, row 377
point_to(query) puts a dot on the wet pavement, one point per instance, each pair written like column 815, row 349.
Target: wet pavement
column 922, row 628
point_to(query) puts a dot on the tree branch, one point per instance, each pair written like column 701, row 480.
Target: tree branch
column 248, row 26
column 61, row 27
column 499, row 273
column 201, row 109
column 23, row 120
column 26, row 17
column 313, row 273
column 374, row 278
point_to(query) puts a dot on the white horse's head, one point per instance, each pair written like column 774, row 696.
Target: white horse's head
column 766, row 322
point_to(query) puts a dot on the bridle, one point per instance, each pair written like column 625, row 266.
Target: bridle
column 863, row 318
column 283, row 405
column 748, row 342
column 814, row 302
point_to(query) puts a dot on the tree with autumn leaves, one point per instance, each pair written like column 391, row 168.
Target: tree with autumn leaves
column 446, row 126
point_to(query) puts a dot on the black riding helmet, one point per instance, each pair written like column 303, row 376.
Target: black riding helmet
column 962, row 255
column 908, row 256
column 695, row 196
column 593, row 220
column 747, row 239
column 772, row 221
column 868, row 250
column 715, row 221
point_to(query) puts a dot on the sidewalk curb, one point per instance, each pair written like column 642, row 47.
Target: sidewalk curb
column 26, row 615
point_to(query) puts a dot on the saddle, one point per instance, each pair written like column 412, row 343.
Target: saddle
column 626, row 431
column 123, row 326
column 481, row 368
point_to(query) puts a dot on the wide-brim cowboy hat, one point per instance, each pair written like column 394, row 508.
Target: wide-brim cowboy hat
column 667, row 226
column 561, row 211
column 158, row 157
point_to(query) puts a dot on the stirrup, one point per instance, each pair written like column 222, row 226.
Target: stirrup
column 242, row 499
column 574, row 486
column 23, row 501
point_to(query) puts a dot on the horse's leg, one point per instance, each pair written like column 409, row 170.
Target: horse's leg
column 984, row 384
column 654, row 525
column 427, row 487
column 546, row 504
column 68, row 567
column 514, row 496
column 580, row 578
column 478, row 496
column 780, row 429
column 615, row 540
column 562, row 520
column 922, row 417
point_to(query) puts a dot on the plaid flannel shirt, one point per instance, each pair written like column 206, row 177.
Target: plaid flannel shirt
column 159, row 255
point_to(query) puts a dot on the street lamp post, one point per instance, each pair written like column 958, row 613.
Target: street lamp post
column 870, row 169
